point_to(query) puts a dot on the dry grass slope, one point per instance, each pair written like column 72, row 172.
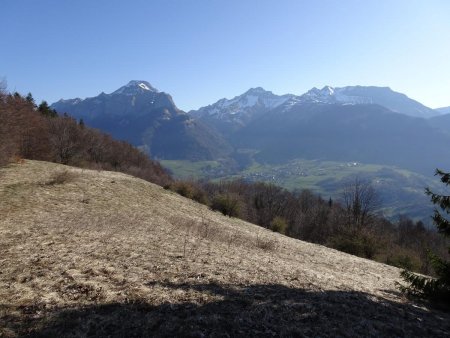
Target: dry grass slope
column 88, row 253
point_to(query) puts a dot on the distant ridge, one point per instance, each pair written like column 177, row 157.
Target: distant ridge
column 226, row 115
column 255, row 101
column 355, row 123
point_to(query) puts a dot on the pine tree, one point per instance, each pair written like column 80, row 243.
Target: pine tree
column 437, row 289
column 45, row 110
column 30, row 99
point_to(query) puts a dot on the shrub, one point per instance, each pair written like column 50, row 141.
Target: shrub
column 358, row 244
column 404, row 261
column 60, row 177
column 265, row 244
column 228, row 204
column 200, row 196
column 349, row 245
column 189, row 190
column 278, row 224
column 183, row 188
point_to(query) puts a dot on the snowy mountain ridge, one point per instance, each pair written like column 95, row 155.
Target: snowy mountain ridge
column 330, row 95
column 355, row 95
column 253, row 97
column 135, row 87
column 256, row 101
column 132, row 88
column 242, row 108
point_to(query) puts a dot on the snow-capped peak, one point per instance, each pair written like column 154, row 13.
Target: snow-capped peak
column 134, row 87
column 244, row 107
column 324, row 95
column 328, row 89
column 257, row 91
column 332, row 95
column 328, row 95
column 253, row 97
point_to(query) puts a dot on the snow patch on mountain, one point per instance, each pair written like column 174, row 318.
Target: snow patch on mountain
column 70, row 101
column 144, row 86
column 242, row 108
column 330, row 95
column 315, row 95
column 359, row 95
column 135, row 87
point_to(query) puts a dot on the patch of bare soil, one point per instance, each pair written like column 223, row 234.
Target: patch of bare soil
column 87, row 253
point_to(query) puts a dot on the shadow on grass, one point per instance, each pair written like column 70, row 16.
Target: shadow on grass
column 256, row 310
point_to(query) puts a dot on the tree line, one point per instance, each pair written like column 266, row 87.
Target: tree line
column 350, row 224
column 37, row 132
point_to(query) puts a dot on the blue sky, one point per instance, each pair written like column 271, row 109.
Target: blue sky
column 202, row 50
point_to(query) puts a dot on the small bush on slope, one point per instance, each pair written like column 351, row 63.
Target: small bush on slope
column 278, row 224
column 61, row 177
column 228, row 204
column 190, row 190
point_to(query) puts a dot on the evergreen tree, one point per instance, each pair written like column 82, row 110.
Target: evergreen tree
column 30, row 99
column 45, row 110
column 438, row 288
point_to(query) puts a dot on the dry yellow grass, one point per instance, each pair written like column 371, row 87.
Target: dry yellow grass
column 88, row 253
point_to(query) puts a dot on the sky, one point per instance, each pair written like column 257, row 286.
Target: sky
column 200, row 51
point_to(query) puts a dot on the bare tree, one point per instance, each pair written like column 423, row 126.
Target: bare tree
column 22, row 131
column 4, row 117
column 7, row 144
column 64, row 139
column 360, row 201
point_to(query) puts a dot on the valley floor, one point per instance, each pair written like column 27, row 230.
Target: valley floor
column 88, row 253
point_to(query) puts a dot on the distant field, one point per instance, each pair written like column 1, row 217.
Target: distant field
column 401, row 191
column 308, row 174
column 189, row 169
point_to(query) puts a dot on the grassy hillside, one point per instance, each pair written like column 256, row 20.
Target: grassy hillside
column 94, row 253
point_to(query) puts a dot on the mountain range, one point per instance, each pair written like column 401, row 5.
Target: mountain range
column 355, row 123
column 148, row 118
column 257, row 101
column 365, row 124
